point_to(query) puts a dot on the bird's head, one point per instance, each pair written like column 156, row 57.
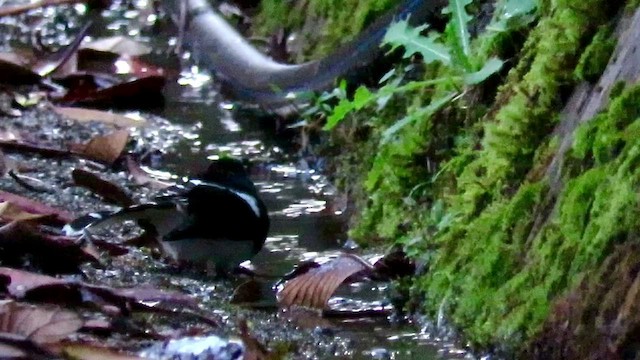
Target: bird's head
column 230, row 172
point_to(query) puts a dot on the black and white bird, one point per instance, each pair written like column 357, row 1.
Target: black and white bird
column 216, row 218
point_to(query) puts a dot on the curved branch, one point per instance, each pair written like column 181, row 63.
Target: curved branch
column 249, row 75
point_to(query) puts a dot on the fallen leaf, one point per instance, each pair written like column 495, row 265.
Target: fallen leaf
column 11, row 212
column 120, row 45
column 52, row 253
column 43, row 150
column 14, row 346
column 84, row 115
column 140, row 92
column 141, row 177
column 91, row 352
column 24, row 285
column 314, row 287
column 40, row 324
column 105, row 148
column 111, row 192
column 18, row 283
column 80, row 84
column 60, row 217
column 15, row 74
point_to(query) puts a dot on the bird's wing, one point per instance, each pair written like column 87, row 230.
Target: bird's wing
column 216, row 211
column 161, row 215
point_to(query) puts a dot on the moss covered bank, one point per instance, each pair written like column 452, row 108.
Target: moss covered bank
column 523, row 206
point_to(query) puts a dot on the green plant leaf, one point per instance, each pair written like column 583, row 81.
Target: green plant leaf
column 491, row 67
column 434, row 106
column 362, row 97
column 459, row 21
column 512, row 10
column 339, row 112
column 401, row 34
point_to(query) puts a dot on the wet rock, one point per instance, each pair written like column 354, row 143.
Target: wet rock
column 380, row 354
column 196, row 348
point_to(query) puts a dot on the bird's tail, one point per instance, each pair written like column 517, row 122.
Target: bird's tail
column 97, row 220
column 82, row 224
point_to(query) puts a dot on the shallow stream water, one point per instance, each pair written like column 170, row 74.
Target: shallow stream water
column 307, row 222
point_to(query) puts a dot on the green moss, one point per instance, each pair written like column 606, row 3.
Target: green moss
column 595, row 57
column 617, row 88
column 632, row 5
column 465, row 190
column 527, row 105
column 505, row 276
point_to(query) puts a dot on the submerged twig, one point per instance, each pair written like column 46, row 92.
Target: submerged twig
column 42, row 150
column 21, row 180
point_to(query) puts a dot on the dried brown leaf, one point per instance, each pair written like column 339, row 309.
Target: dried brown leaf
column 84, row 115
column 111, row 192
column 140, row 92
column 36, row 287
column 35, row 207
column 315, row 287
column 15, row 74
column 107, row 148
column 12, row 212
column 40, row 324
column 90, row 352
column 13, row 346
column 51, row 253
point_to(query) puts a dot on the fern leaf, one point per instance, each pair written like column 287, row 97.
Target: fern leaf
column 401, row 34
column 460, row 23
